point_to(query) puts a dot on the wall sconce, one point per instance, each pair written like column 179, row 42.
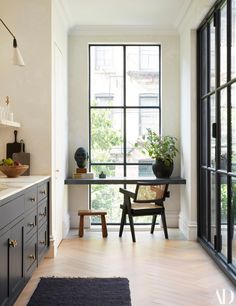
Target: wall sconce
column 17, row 57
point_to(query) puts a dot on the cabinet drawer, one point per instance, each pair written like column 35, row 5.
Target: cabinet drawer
column 42, row 191
column 30, row 224
column 42, row 212
column 31, row 199
column 11, row 210
column 42, row 241
column 30, row 256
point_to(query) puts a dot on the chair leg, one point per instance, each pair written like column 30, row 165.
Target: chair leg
column 81, row 226
column 122, row 222
column 163, row 218
column 104, row 226
column 132, row 226
column 154, row 218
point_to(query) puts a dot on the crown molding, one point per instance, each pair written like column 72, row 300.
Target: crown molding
column 87, row 30
column 194, row 14
column 183, row 13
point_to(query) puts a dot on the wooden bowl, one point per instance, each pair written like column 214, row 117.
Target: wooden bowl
column 13, row 171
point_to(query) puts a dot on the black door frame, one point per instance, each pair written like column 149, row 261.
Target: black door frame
column 203, row 188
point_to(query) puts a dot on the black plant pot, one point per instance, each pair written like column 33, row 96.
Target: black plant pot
column 161, row 170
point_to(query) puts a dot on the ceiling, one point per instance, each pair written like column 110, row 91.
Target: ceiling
column 162, row 14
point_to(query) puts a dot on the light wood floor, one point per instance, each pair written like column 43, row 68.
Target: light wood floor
column 161, row 272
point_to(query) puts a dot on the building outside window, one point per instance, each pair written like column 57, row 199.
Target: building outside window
column 124, row 101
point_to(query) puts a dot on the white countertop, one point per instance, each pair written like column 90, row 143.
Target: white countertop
column 11, row 186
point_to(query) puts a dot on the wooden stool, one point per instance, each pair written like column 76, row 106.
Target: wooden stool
column 83, row 213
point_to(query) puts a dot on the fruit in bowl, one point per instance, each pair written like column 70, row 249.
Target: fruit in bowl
column 12, row 168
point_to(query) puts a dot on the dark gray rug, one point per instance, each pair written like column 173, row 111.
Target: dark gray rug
column 81, row 292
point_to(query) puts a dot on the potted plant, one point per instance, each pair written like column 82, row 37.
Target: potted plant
column 163, row 150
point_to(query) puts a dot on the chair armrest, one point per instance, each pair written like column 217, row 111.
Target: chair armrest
column 127, row 193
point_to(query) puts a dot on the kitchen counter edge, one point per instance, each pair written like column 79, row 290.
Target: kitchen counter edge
column 12, row 186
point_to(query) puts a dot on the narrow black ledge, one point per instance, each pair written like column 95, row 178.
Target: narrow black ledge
column 124, row 180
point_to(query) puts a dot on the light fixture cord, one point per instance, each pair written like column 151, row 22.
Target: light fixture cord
column 7, row 28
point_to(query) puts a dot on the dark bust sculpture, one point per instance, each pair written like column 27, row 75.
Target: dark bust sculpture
column 81, row 157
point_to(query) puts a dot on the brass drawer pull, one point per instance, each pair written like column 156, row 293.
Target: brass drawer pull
column 42, row 242
column 43, row 192
column 12, row 243
column 33, row 199
column 31, row 224
column 31, row 256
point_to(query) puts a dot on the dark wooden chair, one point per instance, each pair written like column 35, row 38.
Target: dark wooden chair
column 148, row 200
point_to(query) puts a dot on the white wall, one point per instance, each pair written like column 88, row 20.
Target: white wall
column 29, row 87
column 38, row 25
column 188, row 106
column 79, row 105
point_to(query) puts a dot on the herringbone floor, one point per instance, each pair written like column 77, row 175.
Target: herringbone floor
column 172, row 272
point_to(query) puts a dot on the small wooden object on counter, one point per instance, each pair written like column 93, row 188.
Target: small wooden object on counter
column 22, row 157
column 14, row 147
column 83, row 213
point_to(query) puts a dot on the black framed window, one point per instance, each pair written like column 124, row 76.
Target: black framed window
column 216, row 136
column 124, row 96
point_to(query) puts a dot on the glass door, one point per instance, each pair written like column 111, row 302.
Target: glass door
column 217, row 135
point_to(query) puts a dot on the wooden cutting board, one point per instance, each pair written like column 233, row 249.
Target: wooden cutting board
column 22, row 157
column 14, row 147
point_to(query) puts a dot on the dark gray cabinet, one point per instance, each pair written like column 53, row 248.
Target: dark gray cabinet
column 23, row 238
column 11, row 262
column 15, row 249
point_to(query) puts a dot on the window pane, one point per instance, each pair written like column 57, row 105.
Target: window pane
column 212, row 56
column 224, row 213
column 204, row 204
column 204, row 132
column 223, row 129
column 106, row 135
column 203, row 62
column 233, row 127
column 108, row 198
column 233, row 205
column 223, row 45
column 106, row 75
column 213, row 206
column 142, row 75
column 137, row 122
column 233, row 42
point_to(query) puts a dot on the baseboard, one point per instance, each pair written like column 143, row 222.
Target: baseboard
column 52, row 252
column 172, row 218
column 66, row 225
column 189, row 229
